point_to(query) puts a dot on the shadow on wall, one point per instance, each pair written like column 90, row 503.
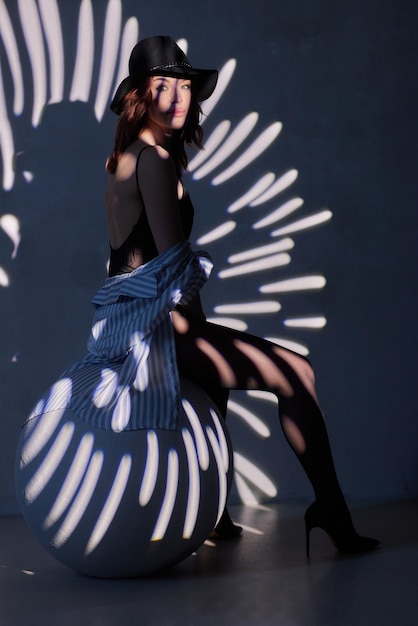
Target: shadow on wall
column 61, row 260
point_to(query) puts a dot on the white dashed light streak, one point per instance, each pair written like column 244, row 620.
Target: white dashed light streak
column 130, row 37
column 304, row 223
column 106, row 389
column 81, row 501
column 83, row 70
column 266, row 263
column 44, row 473
column 72, row 480
column 11, row 226
column 199, row 435
column 112, row 503
column 217, row 233
column 249, row 473
column 249, row 308
column 223, row 487
column 254, row 192
column 193, row 497
column 214, row 140
column 250, row 154
column 280, row 185
column 4, row 278
column 279, row 246
column 53, row 33
column 283, row 211
column 225, row 75
column 12, row 51
column 229, row 322
column 108, row 59
column 231, row 143
column 302, row 283
column 151, row 469
column 255, row 423
column 306, row 322
column 29, row 18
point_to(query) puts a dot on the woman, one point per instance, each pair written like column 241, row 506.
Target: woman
column 149, row 212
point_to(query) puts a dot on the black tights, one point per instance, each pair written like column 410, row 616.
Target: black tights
column 219, row 359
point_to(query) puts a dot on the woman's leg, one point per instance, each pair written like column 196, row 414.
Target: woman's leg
column 218, row 357
column 225, row 528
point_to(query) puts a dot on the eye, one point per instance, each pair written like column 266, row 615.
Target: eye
column 186, row 86
column 162, row 87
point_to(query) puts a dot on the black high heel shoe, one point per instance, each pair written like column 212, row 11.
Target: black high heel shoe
column 336, row 522
column 225, row 528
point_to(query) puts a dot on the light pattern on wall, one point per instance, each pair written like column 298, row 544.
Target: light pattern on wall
column 57, row 77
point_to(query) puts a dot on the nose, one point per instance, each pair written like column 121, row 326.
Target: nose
column 177, row 95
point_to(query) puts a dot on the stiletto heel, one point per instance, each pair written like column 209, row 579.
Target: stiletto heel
column 336, row 522
column 225, row 528
column 307, row 537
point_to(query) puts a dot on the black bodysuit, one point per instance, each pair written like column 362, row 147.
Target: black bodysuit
column 141, row 239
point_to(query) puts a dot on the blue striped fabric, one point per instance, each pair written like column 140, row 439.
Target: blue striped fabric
column 129, row 378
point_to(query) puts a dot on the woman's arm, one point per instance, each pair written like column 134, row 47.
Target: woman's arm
column 157, row 183
column 193, row 308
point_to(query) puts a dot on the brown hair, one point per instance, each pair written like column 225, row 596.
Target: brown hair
column 133, row 118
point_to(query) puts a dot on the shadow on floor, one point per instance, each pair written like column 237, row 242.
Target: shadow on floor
column 261, row 578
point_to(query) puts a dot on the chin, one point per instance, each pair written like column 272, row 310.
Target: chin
column 178, row 125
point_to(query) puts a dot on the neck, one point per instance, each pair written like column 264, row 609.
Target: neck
column 161, row 135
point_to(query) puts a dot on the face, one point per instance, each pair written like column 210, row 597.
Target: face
column 171, row 99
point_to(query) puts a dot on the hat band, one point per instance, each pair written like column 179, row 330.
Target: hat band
column 169, row 66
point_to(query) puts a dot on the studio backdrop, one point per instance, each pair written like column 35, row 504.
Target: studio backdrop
column 303, row 196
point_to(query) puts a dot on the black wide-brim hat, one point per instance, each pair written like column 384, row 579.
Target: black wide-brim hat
column 161, row 56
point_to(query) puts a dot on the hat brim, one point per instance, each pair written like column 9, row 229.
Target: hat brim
column 204, row 83
column 126, row 85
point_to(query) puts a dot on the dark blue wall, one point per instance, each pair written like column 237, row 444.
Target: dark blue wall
column 341, row 77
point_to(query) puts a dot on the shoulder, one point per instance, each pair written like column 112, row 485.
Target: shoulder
column 143, row 158
column 154, row 160
column 146, row 144
column 153, row 153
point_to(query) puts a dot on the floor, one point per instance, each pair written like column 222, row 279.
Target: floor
column 260, row 579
